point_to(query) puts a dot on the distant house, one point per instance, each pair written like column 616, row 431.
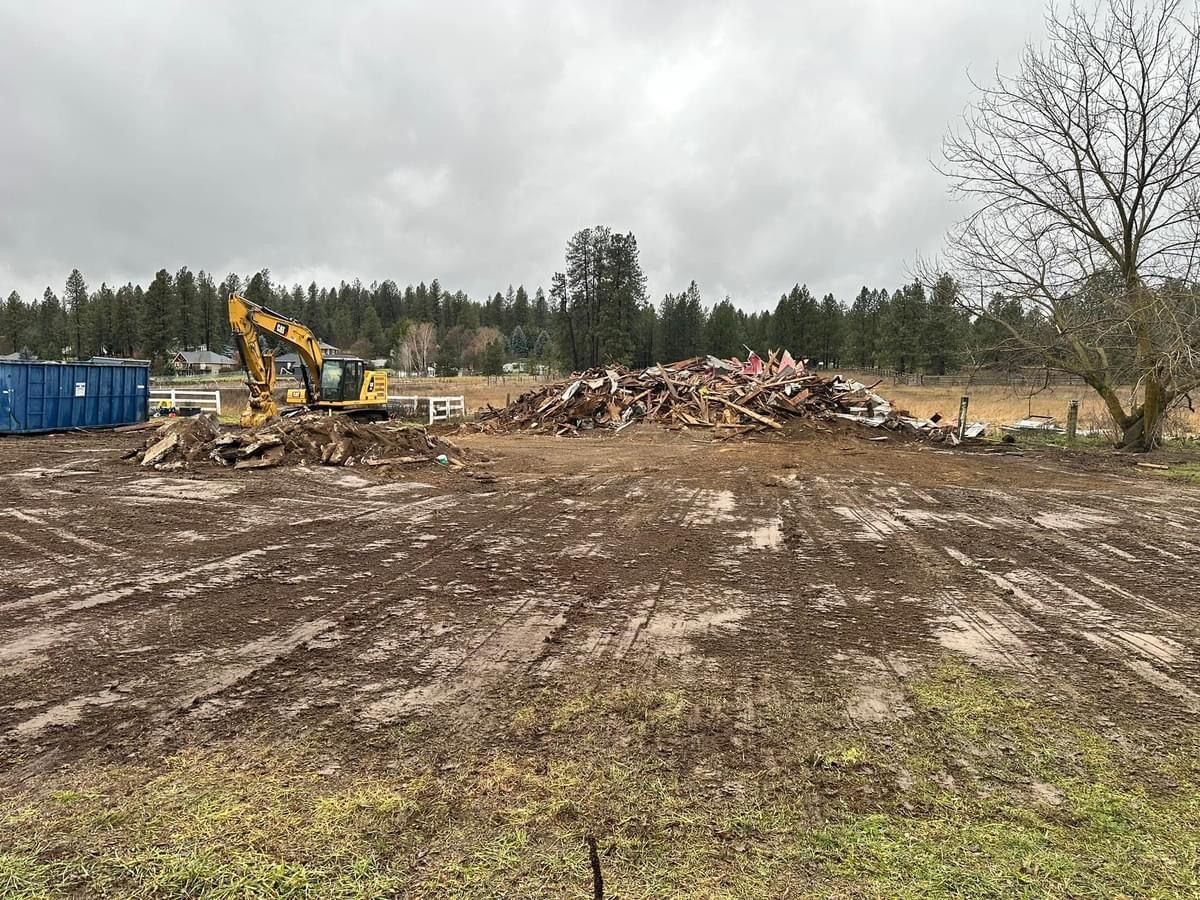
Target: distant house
column 201, row 362
column 289, row 363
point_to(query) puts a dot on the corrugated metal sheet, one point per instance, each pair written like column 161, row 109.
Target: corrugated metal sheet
column 46, row 396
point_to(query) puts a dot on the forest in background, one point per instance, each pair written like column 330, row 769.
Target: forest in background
column 597, row 311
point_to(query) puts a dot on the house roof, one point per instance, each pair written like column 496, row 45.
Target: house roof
column 293, row 359
column 203, row 357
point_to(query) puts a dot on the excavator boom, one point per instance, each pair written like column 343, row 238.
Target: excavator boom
column 345, row 385
column 246, row 319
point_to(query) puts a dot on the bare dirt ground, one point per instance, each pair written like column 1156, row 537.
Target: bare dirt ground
column 143, row 613
column 140, row 607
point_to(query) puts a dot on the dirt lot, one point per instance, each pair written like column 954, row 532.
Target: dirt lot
column 677, row 639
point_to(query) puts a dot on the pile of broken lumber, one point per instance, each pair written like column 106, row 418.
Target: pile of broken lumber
column 727, row 395
column 319, row 440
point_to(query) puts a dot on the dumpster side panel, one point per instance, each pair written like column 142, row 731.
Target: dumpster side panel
column 42, row 396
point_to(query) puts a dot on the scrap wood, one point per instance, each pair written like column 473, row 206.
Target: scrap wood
column 140, row 426
column 749, row 412
column 701, row 392
column 323, row 440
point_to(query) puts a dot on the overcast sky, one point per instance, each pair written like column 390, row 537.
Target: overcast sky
column 747, row 145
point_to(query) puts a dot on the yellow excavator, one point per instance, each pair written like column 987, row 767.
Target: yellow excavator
column 332, row 384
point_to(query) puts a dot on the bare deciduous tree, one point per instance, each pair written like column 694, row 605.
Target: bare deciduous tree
column 1083, row 169
column 421, row 345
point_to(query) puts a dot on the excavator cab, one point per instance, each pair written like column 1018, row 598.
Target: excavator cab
column 341, row 379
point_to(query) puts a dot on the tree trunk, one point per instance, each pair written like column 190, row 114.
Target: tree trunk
column 1142, row 430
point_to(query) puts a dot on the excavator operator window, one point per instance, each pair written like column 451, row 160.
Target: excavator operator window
column 352, row 379
column 341, row 379
column 331, row 380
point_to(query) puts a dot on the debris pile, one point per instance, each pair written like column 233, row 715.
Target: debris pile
column 726, row 395
column 319, row 440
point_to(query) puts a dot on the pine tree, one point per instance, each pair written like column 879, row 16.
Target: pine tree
column 51, row 321
column 541, row 310
column 521, row 308
column 104, row 311
column 211, row 312
column 343, row 327
column 493, row 357
column 827, row 343
column 506, row 311
column 862, row 329
column 231, row 285
column 157, row 320
column 518, row 343
column 601, row 296
column 187, row 319
column 903, row 325
column 75, row 297
column 16, row 325
column 723, row 335
column 125, row 320
column 681, row 325
column 260, row 290
column 542, row 345
column 943, row 338
column 372, row 332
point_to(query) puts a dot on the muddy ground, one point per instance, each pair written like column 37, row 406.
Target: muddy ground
column 142, row 612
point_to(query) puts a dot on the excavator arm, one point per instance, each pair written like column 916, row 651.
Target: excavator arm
column 246, row 319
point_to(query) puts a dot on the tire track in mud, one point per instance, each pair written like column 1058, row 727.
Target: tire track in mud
column 388, row 600
column 31, row 645
column 1073, row 632
column 368, row 620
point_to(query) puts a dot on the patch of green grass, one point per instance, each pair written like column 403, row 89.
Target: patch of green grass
column 1034, row 438
column 845, row 757
column 1012, row 800
column 1185, row 472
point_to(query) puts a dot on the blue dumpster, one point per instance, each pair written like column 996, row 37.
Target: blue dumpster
column 53, row 396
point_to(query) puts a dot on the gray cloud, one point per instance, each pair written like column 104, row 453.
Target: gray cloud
column 748, row 145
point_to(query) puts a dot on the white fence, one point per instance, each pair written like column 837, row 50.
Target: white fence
column 441, row 409
column 209, row 401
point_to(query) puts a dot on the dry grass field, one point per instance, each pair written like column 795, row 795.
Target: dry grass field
column 998, row 404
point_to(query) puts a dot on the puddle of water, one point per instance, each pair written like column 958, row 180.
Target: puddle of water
column 711, row 507
column 182, row 488
column 984, row 638
column 768, row 536
column 66, row 713
column 1074, row 521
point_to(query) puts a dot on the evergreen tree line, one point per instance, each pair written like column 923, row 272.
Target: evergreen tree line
column 597, row 312
column 187, row 310
column 603, row 314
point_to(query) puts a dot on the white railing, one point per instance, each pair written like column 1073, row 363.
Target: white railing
column 209, row 401
column 441, row 409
